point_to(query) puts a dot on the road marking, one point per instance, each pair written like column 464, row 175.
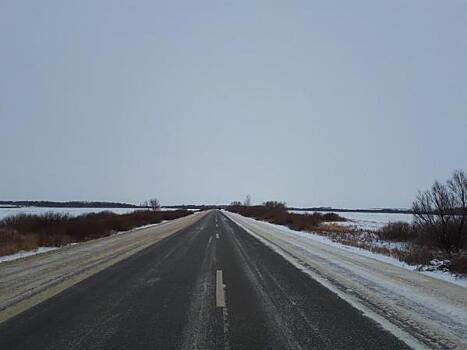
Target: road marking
column 217, row 235
column 220, row 302
column 220, row 297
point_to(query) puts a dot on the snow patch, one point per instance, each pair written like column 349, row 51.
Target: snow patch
column 23, row 254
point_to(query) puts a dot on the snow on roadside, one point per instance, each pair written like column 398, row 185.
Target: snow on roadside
column 412, row 305
column 445, row 276
column 23, row 254
column 141, row 227
column 366, row 225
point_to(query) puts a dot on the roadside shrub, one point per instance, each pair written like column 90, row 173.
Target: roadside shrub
column 396, row 232
column 417, row 255
column 277, row 214
column 333, row 217
column 27, row 232
column 459, row 264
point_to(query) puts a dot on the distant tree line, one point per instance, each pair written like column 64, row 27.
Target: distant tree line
column 267, row 204
column 69, row 204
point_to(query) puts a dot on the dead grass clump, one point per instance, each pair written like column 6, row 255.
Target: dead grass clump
column 333, row 228
column 12, row 242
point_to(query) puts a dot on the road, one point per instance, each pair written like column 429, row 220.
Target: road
column 210, row 285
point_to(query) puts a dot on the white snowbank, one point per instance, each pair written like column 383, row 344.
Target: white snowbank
column 445, row 276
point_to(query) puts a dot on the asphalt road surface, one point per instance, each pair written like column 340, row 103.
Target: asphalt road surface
column 209, row 286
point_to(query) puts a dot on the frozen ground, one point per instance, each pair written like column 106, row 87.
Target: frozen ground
column 423, row 310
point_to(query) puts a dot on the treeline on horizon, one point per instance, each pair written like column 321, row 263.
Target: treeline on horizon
column 103, row 204
column 317, row 209
column 69, row 204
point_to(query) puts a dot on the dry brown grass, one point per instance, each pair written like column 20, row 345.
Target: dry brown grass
column 413, row 254
column 12, row 242
column 333, row 228
column 28, row 232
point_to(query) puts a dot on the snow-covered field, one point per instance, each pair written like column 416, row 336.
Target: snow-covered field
column 425, row 310
column 367, row 221
column 4, row 212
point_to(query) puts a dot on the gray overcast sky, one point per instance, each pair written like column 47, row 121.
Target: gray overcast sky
column 342, row 103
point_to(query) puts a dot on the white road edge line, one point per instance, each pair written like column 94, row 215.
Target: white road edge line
column 220, row 297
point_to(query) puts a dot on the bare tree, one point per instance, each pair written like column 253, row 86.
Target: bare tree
column 441, row 211
column 458, row 187
column 236, row 204
column 154, row 204
column 247, row 201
